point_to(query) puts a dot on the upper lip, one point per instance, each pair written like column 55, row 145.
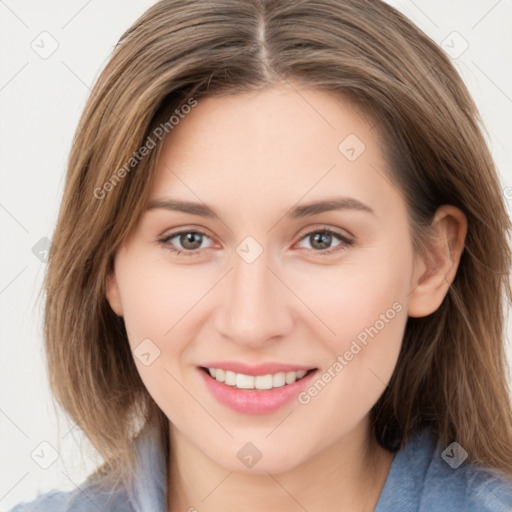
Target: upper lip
column 256, row 369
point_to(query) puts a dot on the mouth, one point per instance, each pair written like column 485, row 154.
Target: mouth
column 265, row 382
column 258, row 390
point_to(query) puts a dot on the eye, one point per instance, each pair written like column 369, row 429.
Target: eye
column 321, row 241
column 190, row 241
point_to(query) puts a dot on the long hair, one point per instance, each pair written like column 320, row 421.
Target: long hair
column 451, row 374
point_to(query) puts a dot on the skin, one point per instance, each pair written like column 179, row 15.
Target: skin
column 252, row 157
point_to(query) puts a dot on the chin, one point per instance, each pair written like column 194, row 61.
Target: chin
column 257, row 457
column 273, row 465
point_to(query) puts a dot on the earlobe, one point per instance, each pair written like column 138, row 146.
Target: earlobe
column 435, row 272
column 112, row 294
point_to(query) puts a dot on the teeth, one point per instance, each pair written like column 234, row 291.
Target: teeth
column 263, row 381
column 290, row 377
column 278, row 380
column 242, row 381
column 230, row 378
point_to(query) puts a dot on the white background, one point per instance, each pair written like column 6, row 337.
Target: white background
column 40, row 102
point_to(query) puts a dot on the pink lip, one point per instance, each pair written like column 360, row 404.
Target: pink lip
column 252, row 401
column 257, row 369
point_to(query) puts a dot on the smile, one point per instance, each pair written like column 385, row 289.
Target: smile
column 261, row 382
column 267, row 390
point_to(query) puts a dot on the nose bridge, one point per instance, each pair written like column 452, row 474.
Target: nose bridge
column 255, row 308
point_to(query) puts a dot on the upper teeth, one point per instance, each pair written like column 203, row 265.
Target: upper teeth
column 243, row 381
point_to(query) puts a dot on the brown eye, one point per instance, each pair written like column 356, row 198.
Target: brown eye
column 190, row 240
column 321, row 241
column 184, row 242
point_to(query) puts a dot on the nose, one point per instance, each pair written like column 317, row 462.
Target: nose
column 256, row 309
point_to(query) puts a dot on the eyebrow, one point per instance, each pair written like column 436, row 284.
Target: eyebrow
column 297, row 212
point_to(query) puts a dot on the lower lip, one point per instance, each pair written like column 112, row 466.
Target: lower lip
column 251, row 401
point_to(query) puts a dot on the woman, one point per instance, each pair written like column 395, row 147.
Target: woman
column 278, row 273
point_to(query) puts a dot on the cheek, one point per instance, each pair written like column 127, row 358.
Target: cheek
column 367, row 310
column 156, row 297
column 159, row 303
column 361, row 298
column 371, row 307
column 163, row 310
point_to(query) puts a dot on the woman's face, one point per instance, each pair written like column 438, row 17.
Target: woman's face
column 295, row 255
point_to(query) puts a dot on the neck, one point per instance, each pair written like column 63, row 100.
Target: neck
column 348, row 476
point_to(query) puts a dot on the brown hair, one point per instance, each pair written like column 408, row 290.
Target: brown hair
column 451, row 373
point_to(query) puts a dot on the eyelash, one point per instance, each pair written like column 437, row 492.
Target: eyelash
column 345, row 242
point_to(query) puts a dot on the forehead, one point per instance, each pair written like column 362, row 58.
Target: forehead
column 243, row 124
column 274, row 145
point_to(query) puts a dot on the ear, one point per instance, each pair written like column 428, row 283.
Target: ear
column 112, row 293
column 434, row 273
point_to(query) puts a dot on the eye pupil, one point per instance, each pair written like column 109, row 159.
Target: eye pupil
column 190, row 237
column 323, row 238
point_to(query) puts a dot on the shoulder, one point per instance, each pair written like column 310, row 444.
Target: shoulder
column 474, row 488
column 53, row 500
column 428, row 477
column 86, row 498
column 145, row 491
